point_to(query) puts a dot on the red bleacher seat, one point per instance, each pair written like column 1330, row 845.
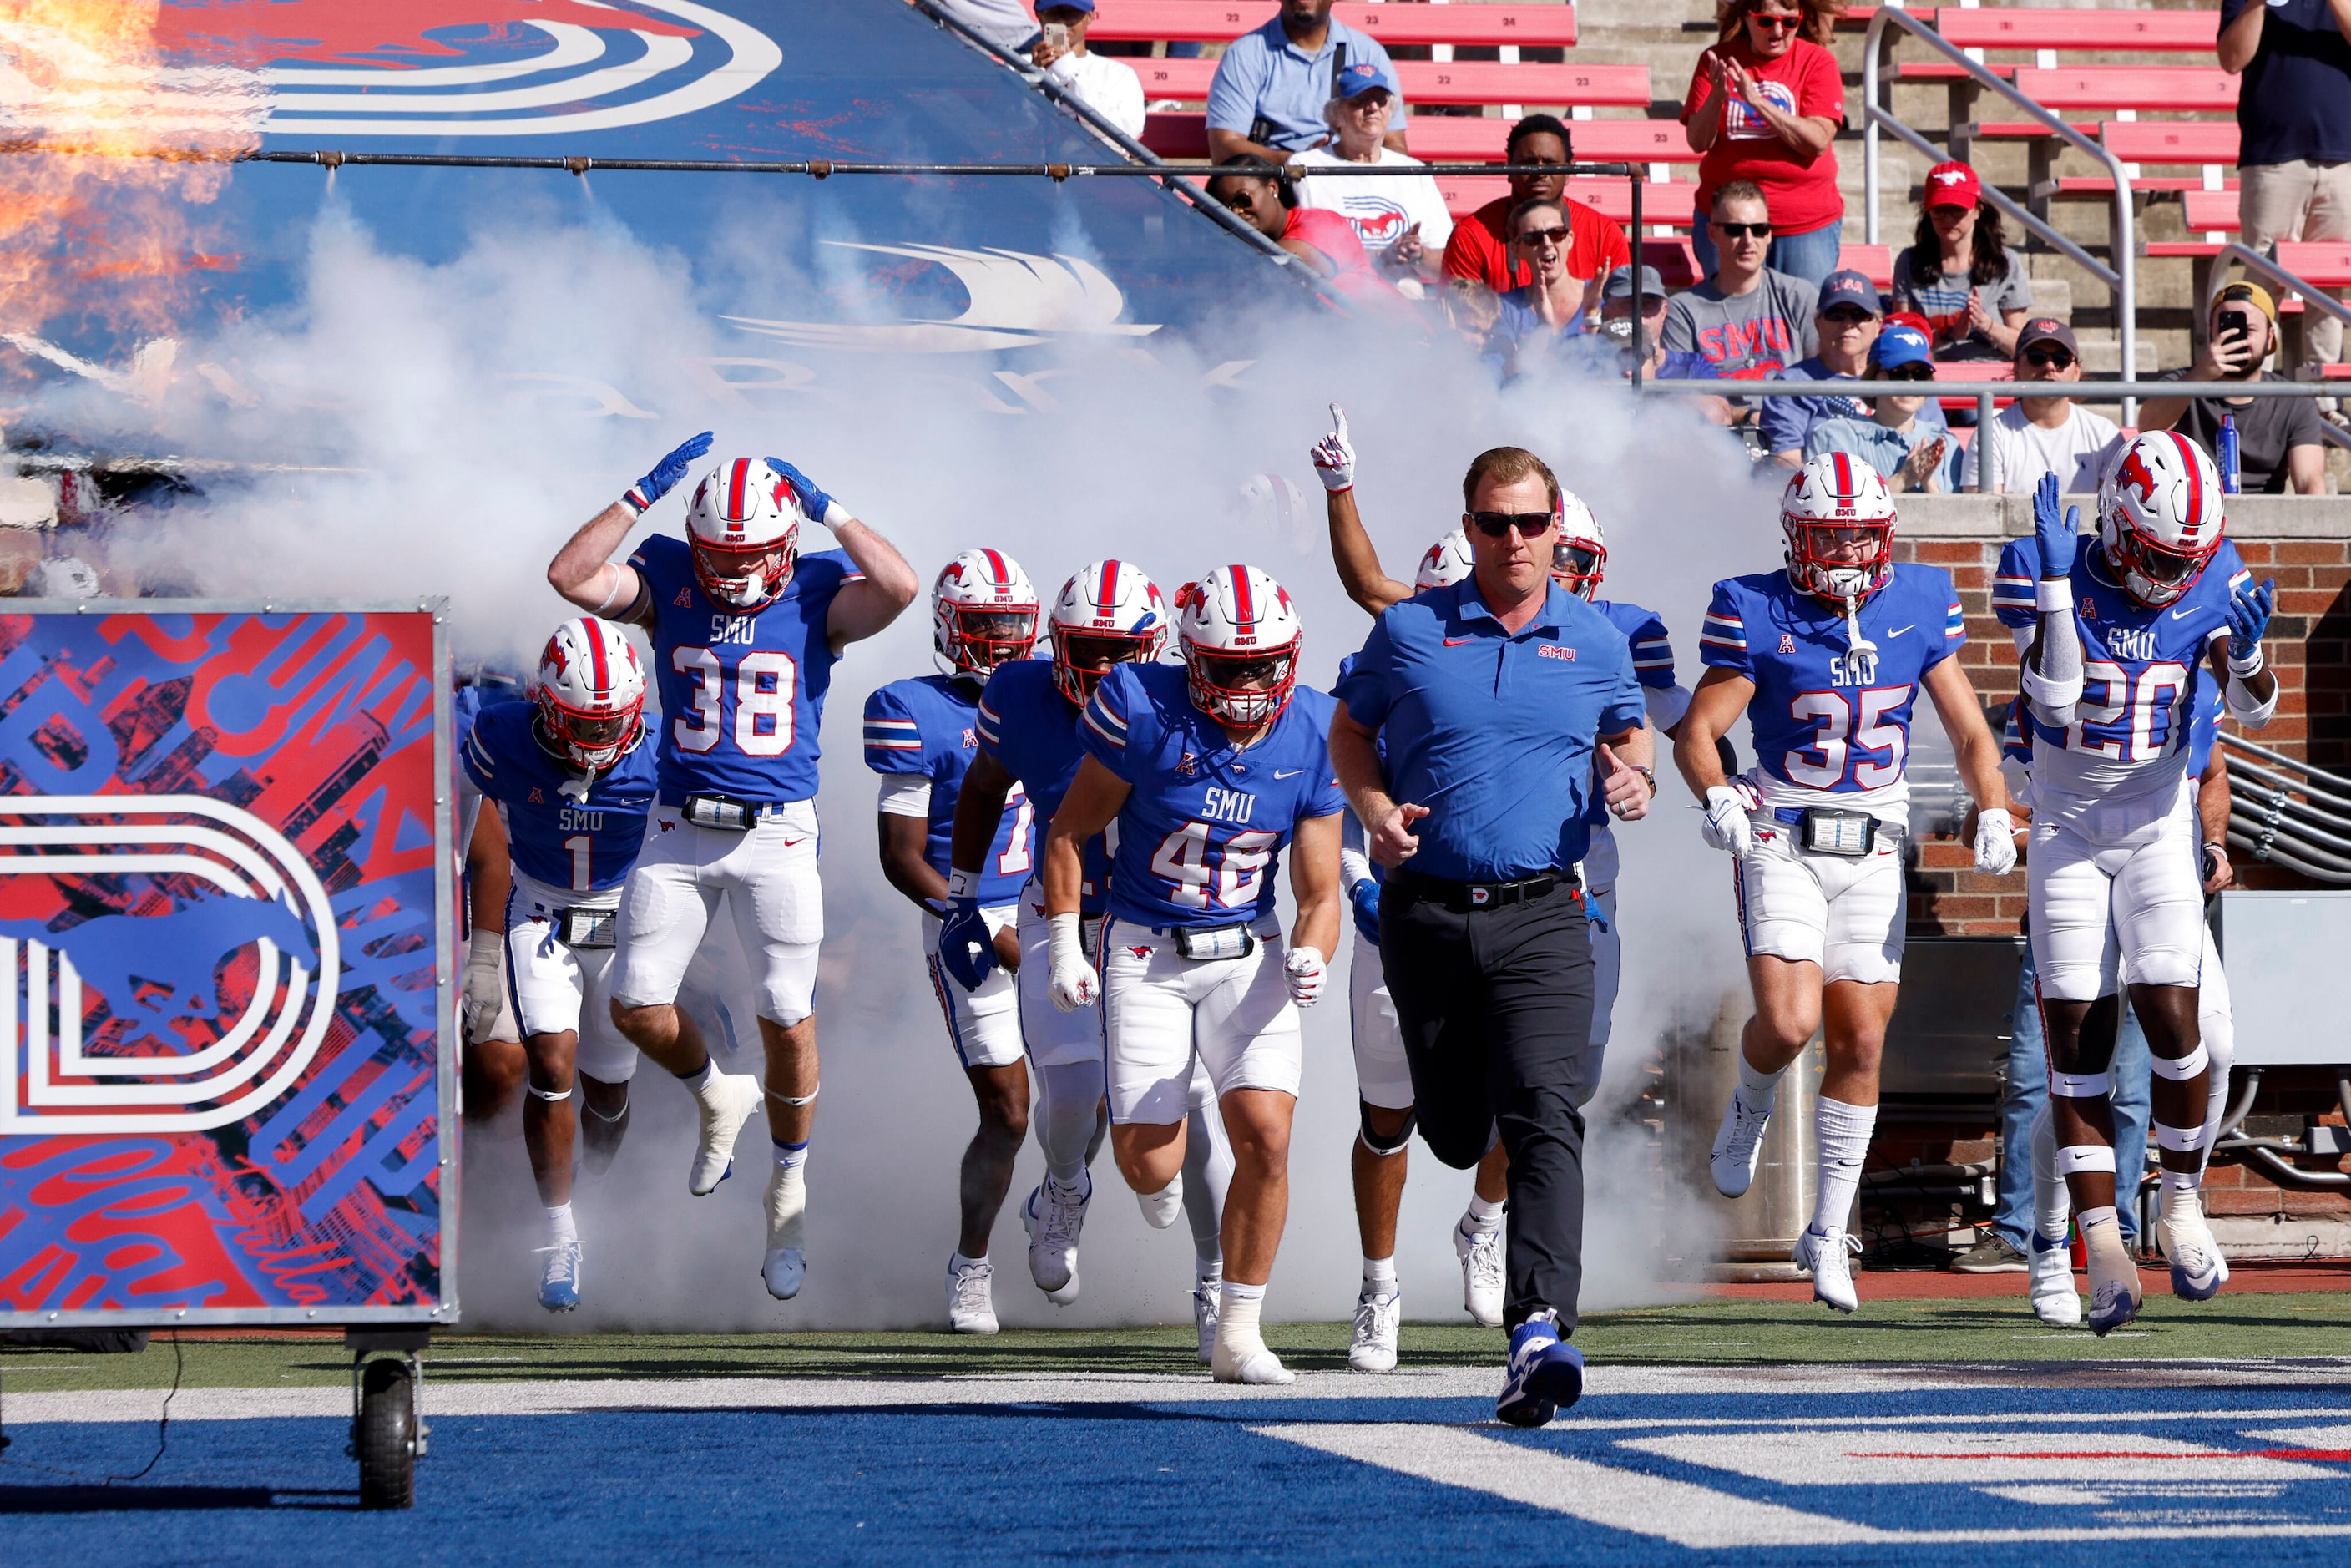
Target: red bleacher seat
column 1460, row 138
column 1670, row 204
column 2198, row 89
column 1943, row 70
column 1675, row 261
column 1859, row 15
column 2210, row 212
column 2038, row 28
column 1218, row 21
column 2170, row 140
column 1875, row 261
column 1442, row 81
column 2326, row 263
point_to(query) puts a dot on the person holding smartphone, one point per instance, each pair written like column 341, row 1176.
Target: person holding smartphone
column 2281, row 444
column 1105, row 85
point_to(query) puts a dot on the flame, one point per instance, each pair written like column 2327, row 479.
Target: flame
column 109, row 151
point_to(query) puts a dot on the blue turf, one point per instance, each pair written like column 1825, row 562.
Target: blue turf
column 1095, row 1481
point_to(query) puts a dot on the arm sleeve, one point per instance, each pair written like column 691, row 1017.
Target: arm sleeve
column 1116, row 705
column 894, row 741
column 2051, row 672
column 1722, row 644
column 905, row 795
column 1232, row 91
column 1365, row 686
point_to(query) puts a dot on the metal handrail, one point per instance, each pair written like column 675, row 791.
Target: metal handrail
column 2120, row 277
column 2254, row 262
column 2264, row 817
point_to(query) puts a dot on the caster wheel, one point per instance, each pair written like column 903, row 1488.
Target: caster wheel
column 386, row 1437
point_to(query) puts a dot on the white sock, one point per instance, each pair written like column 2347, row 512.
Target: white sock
column 1083, row 1188
column 1840, row 1134
column 1482, row 1215
column 2183, row 1185
column 791, row 1156
column 1757, row 1087
column 957, row 1262
column 1238, row 1308
column 700, row 1083
column 560, row 1227
column 2053, row 1204
column 2092, row 1219
column 1380, row 1276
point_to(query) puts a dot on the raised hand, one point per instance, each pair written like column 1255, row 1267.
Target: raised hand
column 640, row 496
column 1335, row 456
column 2058, row 538
column 2249, row 617
column 815, row 505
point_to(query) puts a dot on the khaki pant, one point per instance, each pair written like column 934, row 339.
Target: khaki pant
column 2296, row 202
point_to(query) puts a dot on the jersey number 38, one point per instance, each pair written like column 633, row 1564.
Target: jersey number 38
column 765, row 683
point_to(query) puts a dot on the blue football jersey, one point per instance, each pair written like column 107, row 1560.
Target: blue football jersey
column 1652, row 666
column 1200, row 836
column 742, row 692
column 586, row 846
column 2145, row 674
column 1826, row 722
column 1031, row 729
column 926, row 726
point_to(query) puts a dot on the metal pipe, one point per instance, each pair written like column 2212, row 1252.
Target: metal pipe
column 1640, row 337
column 2244, row 1104
column 2287, row 1172
column 2254, row 261
column 2338, row 875
column 2319, row 793
column 826, row 168
column 2238, row 743
column 2078, row 392
column 1986, row 456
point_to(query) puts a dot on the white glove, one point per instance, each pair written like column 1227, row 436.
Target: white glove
column 482, row 996
column 1074, row 983
column 1335, row 456
column 1726, row 828
column 1303, row 968
column 1995, row 842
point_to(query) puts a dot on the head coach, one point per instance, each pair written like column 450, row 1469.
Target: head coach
column 1500, row 703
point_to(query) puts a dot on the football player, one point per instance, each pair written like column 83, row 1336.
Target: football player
column 1108, row 614
column 573, row 783
column 493, row 1062
column 2125, row 633
column 1208, row 771
column 746, row 630
column 1825, row 658
column 921, row 735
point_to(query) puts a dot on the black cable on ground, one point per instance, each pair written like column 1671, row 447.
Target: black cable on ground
column 162, row 1435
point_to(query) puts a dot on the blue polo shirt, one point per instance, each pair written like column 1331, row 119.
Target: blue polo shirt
column 1494, row 732
column 1263, row 73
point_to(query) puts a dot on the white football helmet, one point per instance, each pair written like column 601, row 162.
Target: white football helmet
column 983, row 614
column 1241, row 637
column 592, row 692
column 744, row 524
column 1105, row 603
column 1444, row 563
column 1831, row 500
column 2161, row 515
column 1579, row 559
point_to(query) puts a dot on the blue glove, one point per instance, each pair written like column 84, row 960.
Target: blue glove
column 2249, row 617
column 666, row 473
column 966, row 949
column 2058, row 540
column 814, row 503
column 1365, row 896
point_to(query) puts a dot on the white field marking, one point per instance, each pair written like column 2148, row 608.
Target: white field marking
column 1679, row 1511
column 2334, row 1439
column 1867, row 1456
column 1819, row 1423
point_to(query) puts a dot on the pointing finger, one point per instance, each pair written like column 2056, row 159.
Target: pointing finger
column 1338, row 420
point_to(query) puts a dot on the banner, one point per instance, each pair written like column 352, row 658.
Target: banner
column 226, row 1055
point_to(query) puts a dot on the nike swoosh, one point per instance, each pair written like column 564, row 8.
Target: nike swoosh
column 802, row 840
column 1456, row 642
column 1293, row 773
column 2182, row 614
column 1899, row 630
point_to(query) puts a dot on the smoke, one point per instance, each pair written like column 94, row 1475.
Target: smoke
column 441, row 429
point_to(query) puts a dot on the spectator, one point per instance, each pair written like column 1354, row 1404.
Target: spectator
column 1480, row 248
column 2038, row 436
column 1400, row 217
column 1552, row 308
column 1608, row 351
column 1763, row 107
column 1912, row 453
column 1004, row 23
column 1109, row 89
column 1473, row 312
column 1747, row 319
column 1272, row 84
column 1262, row 197
column 2294, row 116
column 2278, row 440
column 1959, row 272
column 1845, row 324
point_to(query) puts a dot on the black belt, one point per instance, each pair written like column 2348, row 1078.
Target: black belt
column 1468, row 895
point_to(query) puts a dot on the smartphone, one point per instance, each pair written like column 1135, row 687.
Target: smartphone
column 2236, row 327
column 1058, row 35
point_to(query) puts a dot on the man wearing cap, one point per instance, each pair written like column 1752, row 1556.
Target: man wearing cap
column 1270, row 85
column 1607, row 350
column 1480, row 247
column 2038, row 436
column 2280, row 448
column 1961, row 274
column 1105, row 85
column 1847, row 324
column 1400, row 217
column 1892, row 438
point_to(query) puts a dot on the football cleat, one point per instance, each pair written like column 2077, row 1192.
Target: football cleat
column 1480, row 1252
column 1374, row 1348
column 1544, row 1374
column 1205, row 1294
column 732, row 1097
column 2114, row 1279
column 2197, row 1270
column 558, row 1281
column 971, row 1306
column 2054, row 1300
column 784, row 1270
column 786, row 1261
column 1829, row 1256
column 1738, row 1144
column 1054, row 1216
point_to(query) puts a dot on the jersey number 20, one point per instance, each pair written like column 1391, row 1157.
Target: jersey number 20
column 765, row 682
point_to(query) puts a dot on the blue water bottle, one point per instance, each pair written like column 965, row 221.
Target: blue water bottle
column 2228, row 445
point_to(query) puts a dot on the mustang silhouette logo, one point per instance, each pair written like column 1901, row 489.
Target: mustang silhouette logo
column 156, row 969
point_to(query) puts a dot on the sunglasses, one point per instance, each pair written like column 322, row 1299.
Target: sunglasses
column 1498, row 525
column 1775, row 23
column 1911, row 374
column 1537, row 236
column 2049, row 359
column 1845, row 316
column 1740, row 231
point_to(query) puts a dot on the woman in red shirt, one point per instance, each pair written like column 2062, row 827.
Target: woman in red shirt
column 1764, row 105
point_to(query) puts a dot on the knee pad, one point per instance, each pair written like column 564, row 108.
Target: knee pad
column 1385, row 1146
column 2179, row 1068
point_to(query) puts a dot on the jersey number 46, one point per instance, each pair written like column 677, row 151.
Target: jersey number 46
column 1237, row 876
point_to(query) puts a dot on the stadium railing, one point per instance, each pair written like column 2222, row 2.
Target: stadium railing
column 1508, row 28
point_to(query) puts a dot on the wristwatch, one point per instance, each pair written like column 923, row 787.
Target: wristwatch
column 1649, row 776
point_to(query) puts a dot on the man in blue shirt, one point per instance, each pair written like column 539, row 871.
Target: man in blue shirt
column 1496, row 698
column 1270, row 85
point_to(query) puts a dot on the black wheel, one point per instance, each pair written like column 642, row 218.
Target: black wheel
column 386, row 1438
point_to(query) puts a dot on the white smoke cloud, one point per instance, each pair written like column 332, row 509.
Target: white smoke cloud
column 467, row 416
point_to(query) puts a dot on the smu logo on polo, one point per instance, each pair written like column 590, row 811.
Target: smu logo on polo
column 1553, row 651
column 212, row 1006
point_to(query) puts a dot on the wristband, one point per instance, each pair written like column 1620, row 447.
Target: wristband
column 2217, row 847
column 483, row 946
column 963, row 884
column 2246, row 668
column 1068, row 935
column 1649, row 776
column 2052, row 593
